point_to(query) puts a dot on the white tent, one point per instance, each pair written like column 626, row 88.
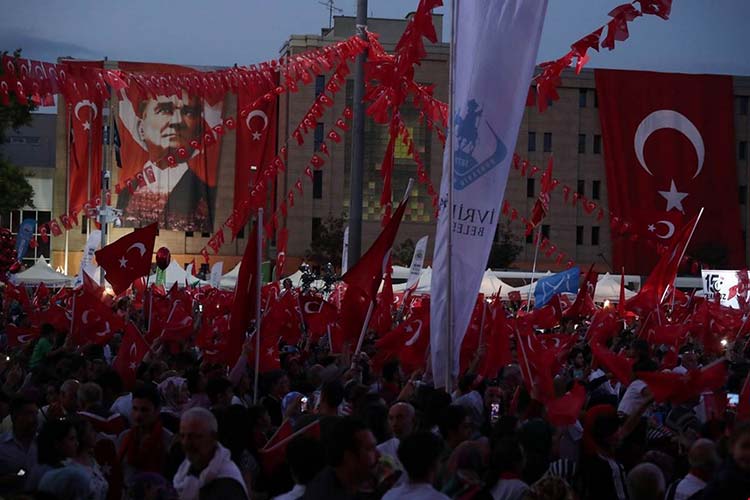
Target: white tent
column 229, row 280
column 176, row 274
column 42, row 272
column 608, row 288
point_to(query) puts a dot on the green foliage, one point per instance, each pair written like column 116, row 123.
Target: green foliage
column 505, row 248
column 403, row 253
column 327, row 242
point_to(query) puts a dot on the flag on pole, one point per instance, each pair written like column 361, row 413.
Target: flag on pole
column 128, row 258
column 495, row 47
column 417, row 261
column 549, row 286
column 541, row 207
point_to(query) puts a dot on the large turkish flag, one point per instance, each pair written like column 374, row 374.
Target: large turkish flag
column 669, row 150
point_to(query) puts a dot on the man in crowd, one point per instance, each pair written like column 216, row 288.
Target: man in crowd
column 18, row 451
column 401, row 422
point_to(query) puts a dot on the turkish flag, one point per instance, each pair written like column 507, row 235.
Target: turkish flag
column 541, row 207
column 669, row 147
column 128, row 258
column 679, row 388
column 498, row 343
column 93, row 321
column 617, row 364
column 743, row 408
column 255, row 149
column 408, row 342
column 318, row 313
column 281, row 243
column 382, row 316
column 245, row 298
column 584, row 304
column 20, row 337
column 85, row 117
column 282, row 318
column 130, row 354
column 273, row 453
column 566, row 409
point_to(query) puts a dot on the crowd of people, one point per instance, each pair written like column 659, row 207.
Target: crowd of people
column 338, row 426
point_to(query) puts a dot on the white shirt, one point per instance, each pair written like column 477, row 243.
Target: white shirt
column 633, row 398
column 293, row 494
column 415, row 491
column 390, row 448
column 123, row 405
column 689, row 486
column 509, row 489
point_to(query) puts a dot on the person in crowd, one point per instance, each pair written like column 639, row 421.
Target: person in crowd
column 278, row 387
column 601, row 476
column 66, row 403
column 84, row 458
column 645, row 482
column 351, row 457
column 18, row 449
column 504, row 476
column 175, row 397
column 704, row 460
column 419, row 453
column 145, row 446
column 331, row 398
column 208, row 470
column 305, row 458
column 220, row 394
column 732, row 480
column 401, row 420
column 57, row 443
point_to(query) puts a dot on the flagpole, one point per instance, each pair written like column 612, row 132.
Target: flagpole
column 533, row 267
column 67, row 180
column 363, row 331
column 258, row 290
column 684, row 249
column 449, row 295
column 103, row 208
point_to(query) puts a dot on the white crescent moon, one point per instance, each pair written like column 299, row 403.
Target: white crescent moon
column 140, row 246
column 414, row 337
column 667, row 118
column 86, row 104
column 85, row 316
column 133, row 351
column 256, row 112
column 105, row 332
column 670, row 229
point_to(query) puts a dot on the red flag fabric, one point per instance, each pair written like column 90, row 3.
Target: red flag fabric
column 678, row 388
column 128, row 258
column 281, row 243
column 408, row 341
column 743, row 407
column 255, row 149
column 566, row 409
column 273, row 453
column 584, row 303
column 318, row 314
column 498, row 343
column 93, row 321
column 245, row 298
column 541, row 207
column 85, row 115
column 41, row 295
column 663, row 274
column 669, row 147
column 20, row 337
column 382, row 316
column 282, row 319
column 621, row 303
column 478, row 324
column 619, row 365
column 130, row 354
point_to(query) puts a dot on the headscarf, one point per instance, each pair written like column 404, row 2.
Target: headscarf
column 170, row 390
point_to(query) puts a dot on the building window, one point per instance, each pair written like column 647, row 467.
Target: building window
column 529, row 188
column 317, row 184
column 319, row 138
column 596, row 100
column 84, row 225
column 742, row 195
column 581, row 143
column 545, row 230
column 595, row 187
column 581, row 188
column 320, row 83
column 594, row 236
column 530, row 237
column 742, row 150
column 188, row 234
column 316, row 223
column 582, row 98
column 742, row 102
column 12, row 220
column 547, row 142
column 532, row 142
column 579, row 235
column 205, row 234
column 597, row 144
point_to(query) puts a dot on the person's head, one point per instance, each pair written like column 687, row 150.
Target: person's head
column 493, row 394
column 57, row 441
column 146, row 404
column 46, row 331
column 577, row 359
column 351, row 448
column 401, row 419
column 89, row 394
column 278, row 384
column 167, row 123
column 111, row 383
column 331, row 396
column 646, row 482
column 689, row 360
column 86, row 435
column 550, row 488
column 419, row 453
column 23, row 415
column 507, row 457
column 174, row 393
column 455, row 425
column 287, row 284
column 198, row 434
column 639, row 350
column 305, row 457
column 703, row 457
column 219, row 392
column 739, row 446
column 69, row 394
column 391, row 372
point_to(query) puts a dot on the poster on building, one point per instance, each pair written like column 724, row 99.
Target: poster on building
column 164, row 177
column 725, row 285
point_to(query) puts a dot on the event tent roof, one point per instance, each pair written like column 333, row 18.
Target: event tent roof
column 176, row 274
column 42, row 272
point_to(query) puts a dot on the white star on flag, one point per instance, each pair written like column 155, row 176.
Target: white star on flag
column 133, row 365
column 674, row 198
column 651, row 228
column 270, row 351
column 86, row 126
column 256, row 136
column 123, row 261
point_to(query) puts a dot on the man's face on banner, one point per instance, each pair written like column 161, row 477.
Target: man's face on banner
column 169, row 123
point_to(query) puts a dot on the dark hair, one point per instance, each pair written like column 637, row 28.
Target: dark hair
column 507, row 456
column 193, row 377
column 17, row 404
column 148, row 391
column 437, row 401
column 390, row 370
column 419, row 453
column 342, row 438
column 305, row 458
column 46, row 329
column 273, row 377
column 450, row 419
column 465, row 382
column 332, row 393
column 215, row 387
column 53, row 431
column 110, row 379
column 740, row 430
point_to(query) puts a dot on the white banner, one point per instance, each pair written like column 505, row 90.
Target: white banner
column 417, row 261
column 723, row 283
column 345, row 252
column 92, row 244
column 495, row 48
column 216, row 273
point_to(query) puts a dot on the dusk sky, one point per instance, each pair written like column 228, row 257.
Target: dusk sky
column 700, row 37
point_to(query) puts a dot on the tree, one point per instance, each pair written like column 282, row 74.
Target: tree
column 15, row 190
column 327, row 242
column 505, row 248
column 403, row 252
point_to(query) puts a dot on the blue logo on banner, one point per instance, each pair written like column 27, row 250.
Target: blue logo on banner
column 466, row 168
column 25, row 233
column 548, row 287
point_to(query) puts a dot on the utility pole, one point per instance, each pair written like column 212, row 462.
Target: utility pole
column 358, row 142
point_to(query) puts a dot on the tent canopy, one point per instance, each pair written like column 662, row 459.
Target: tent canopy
column 42, row 272
column 176, row 274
